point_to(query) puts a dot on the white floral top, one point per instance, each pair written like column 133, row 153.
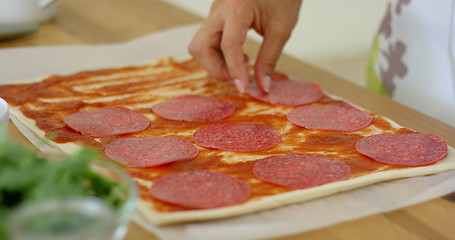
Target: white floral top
column 413, row 58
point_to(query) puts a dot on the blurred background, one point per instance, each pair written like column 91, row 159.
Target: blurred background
column 334, row 35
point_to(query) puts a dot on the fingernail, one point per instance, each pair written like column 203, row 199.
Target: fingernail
column 239, row 85
column 266, row 82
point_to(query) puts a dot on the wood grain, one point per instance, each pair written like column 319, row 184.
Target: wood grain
column 107, row 21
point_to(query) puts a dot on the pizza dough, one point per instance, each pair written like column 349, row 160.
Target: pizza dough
column 107, row 121
column 300, row 171
column 200, row 189
column 330, row 117
column 287, row 92
column 194, row 108
column 414, row 149
column 150, row 151
column 140, row 87
column 237, row 137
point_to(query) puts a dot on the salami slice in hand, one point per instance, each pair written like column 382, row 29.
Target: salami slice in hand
column 287, row 92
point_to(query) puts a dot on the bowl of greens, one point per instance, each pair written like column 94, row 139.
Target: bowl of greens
column 75, row 197
column 4, row 116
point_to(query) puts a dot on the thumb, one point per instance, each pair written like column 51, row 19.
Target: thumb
column 268, row 55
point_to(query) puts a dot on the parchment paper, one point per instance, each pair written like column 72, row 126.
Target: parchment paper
column 26, row 63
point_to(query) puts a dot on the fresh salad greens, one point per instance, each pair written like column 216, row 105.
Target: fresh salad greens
column 27, row 177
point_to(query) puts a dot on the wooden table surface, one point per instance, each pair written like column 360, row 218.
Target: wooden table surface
column 108, row 21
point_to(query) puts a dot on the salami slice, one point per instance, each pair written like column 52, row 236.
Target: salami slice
column 200, row 189
column 150, row 151
column 193, row 108
column 330, row 117
column 300, row 171
column 286, row 92
column 413, row 149
column 107, row 121
column 237, row 137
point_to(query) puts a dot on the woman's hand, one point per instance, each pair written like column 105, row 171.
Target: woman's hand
column 218, row 45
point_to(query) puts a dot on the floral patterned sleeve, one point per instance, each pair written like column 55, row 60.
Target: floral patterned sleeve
column 413, row 56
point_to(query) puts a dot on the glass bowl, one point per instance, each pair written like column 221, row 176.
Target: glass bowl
column 87, row 218
column 4, row 117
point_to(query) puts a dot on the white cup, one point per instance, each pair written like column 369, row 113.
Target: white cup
column 27, row 11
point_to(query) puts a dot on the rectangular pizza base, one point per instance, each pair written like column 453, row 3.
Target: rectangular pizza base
column 255, row 204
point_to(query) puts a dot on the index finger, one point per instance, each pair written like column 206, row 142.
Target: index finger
column 234, row 35
column 205, row 48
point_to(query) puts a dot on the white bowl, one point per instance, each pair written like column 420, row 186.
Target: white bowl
column 4, row 117
column 27, row 11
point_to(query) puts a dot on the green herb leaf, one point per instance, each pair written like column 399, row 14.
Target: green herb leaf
column 26, row 177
